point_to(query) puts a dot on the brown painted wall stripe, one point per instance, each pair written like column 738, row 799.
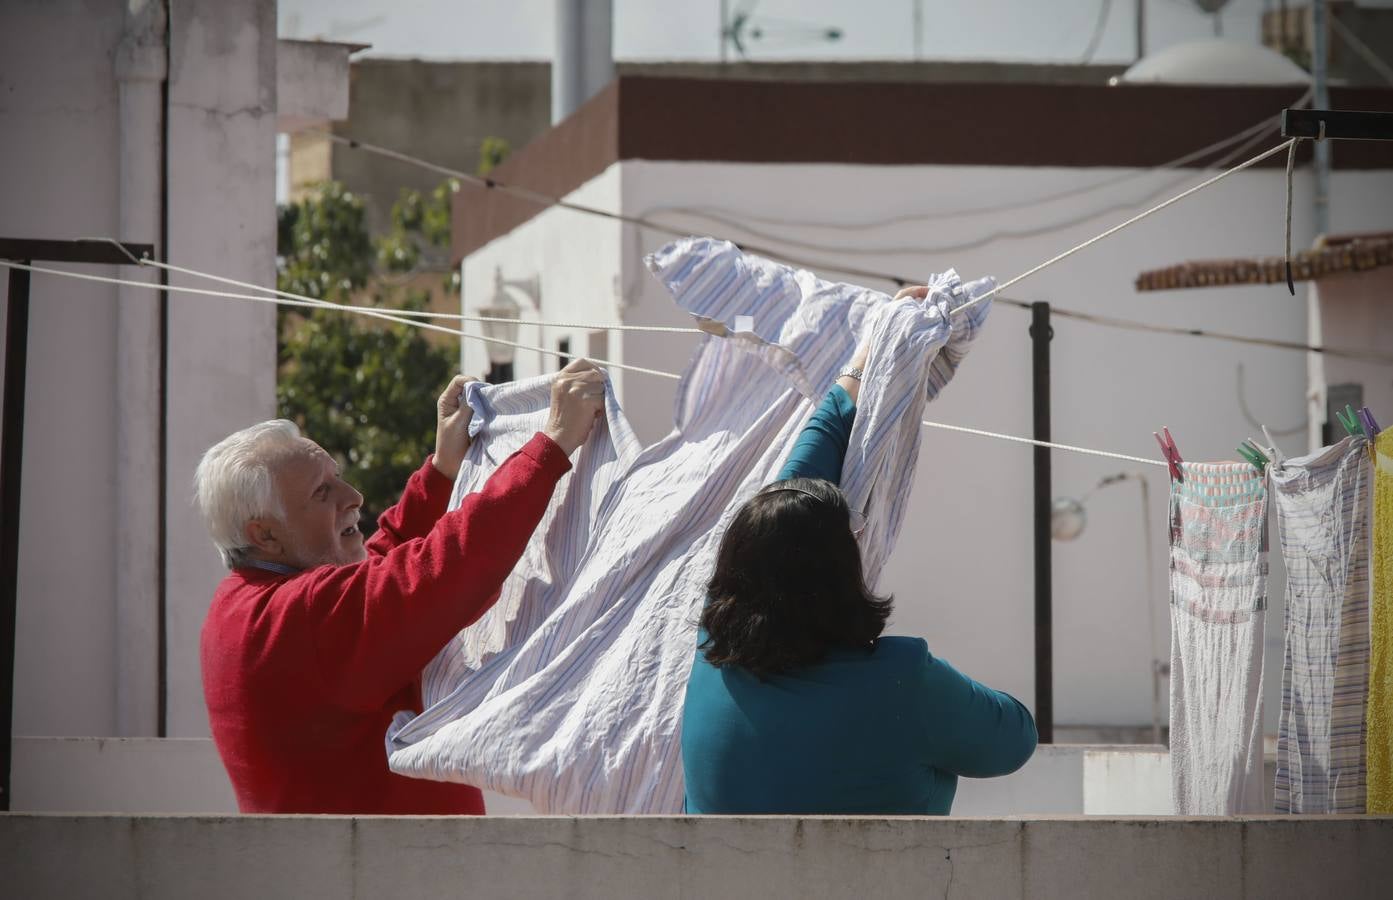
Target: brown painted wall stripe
column 1022, row 125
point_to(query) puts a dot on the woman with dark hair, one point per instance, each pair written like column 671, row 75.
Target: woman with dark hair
column 796, row 704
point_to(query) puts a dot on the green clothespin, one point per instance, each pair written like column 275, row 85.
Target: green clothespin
column 1249, row 451
column 1350, row 420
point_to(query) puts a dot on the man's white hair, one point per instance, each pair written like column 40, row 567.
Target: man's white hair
column 234, row 484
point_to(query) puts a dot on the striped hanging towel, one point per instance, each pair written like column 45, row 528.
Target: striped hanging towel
column 1218, row 587
column 569, row 693
column 1322, row 505
column 1380, row 709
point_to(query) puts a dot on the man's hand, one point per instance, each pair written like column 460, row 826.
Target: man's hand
column 452, row 419
column 577, row 400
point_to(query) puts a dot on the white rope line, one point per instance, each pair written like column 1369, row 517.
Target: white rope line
column 286, row 298
column 576, row 326
column 580, row 326
column 1132, row 221
column 300, row 299
column 311, row 303
column 282, row 301
column 1108, row 321
column 638, row 220
column 1052, row 445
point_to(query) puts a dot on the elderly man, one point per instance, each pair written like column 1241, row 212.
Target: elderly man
column 315, row 637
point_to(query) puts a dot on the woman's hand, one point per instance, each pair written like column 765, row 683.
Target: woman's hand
column 858, row 359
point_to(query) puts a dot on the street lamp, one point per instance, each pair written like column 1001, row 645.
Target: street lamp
column 506, row 312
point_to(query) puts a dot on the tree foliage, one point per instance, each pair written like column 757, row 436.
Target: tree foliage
column 363, row 389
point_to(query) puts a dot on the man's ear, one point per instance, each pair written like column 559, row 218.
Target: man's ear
column 263, row 535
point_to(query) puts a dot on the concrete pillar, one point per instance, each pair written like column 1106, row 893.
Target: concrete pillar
column 221, row 353
column 140, row 74
column 583, row 61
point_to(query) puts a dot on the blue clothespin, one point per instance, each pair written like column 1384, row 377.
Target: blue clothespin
column 1170, row 453
column 1366, row 418
column 1349, row 420
column 1250, row 451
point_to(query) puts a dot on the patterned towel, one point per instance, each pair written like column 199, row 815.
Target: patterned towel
column 1322, row 505
column 1218, row 580
column 1380, row 714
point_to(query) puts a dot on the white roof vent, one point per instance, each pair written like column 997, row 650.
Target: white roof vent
column 1214, row 61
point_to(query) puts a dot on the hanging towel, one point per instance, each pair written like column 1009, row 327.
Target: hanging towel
column 569, row 693
column 1380, row 707
column 1218, row 600
column 1322, row 505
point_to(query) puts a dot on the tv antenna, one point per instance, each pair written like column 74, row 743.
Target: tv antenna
column 740, row 28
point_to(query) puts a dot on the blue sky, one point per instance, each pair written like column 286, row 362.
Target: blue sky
column 1017, row 30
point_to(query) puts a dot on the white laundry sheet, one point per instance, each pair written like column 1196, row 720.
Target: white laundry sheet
column 569, row 691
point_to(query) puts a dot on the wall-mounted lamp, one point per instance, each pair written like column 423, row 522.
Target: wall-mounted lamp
column 504, row 306
column 1069, row 518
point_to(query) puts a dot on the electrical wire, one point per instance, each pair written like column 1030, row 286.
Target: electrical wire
column 1267, row 124
column 975, row 243
column 1100, row 26
column 1063, row 312
column 1354, row 43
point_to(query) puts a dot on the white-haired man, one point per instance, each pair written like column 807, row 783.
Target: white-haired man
column 316, row 638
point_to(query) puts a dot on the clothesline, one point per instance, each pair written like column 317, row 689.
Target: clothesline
column 1063, row 312
column 285, row 298
column 290, row 299
column 1092, row 318
column 294, row 300
column 1132, row 221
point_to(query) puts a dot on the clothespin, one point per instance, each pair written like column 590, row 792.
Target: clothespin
column 1366, row 418
column 1349, row 420
column 1249, row 450
column 1170, row 453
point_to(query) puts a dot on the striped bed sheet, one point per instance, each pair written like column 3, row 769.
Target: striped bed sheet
column 1323, row 507
column 569, row 692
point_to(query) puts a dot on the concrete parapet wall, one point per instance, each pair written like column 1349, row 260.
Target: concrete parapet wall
column 153, row 775
column 773, row 857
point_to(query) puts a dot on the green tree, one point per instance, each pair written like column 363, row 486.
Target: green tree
column 363, row 389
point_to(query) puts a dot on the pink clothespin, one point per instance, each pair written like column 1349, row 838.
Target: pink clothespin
column 1170, row 453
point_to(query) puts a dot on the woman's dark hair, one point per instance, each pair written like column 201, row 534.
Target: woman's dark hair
column 788, row 585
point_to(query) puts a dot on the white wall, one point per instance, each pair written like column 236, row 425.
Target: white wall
column 963, row 574
column 78, row 164
column 585, row 278
column 59, row 121
column 185, row 775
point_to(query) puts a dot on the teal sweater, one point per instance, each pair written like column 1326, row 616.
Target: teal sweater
column 884, row 731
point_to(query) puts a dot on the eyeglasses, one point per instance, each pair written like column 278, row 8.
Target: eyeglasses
column 857, row 520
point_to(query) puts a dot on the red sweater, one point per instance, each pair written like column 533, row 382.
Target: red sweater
column 302, row 673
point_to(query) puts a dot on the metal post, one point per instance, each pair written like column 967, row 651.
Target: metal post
column 11, row 465
column 1040, row 335
column 1320, row 84
column 725, row 18
column 1141, row 29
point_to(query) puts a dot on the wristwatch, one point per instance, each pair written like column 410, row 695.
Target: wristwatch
column 851, row 372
